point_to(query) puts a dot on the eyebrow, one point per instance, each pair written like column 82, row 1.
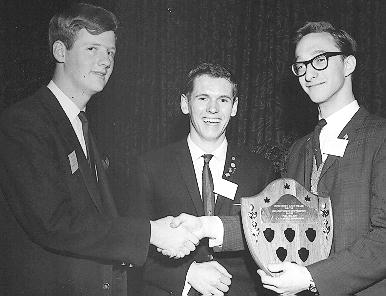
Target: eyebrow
column 206, row 95
column 98, row 44
column 315, row 53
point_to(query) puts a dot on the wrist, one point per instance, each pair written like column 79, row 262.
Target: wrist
column 208, row 223
column 190, row 271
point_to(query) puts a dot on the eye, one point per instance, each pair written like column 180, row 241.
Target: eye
column 111, row 53
column 320, row 59
column 299, row 66
column 225, row 100
column 91, row 48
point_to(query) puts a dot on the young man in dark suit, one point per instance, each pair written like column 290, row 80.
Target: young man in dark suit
column 62, row 234
column 172, row 181
column 352, row 171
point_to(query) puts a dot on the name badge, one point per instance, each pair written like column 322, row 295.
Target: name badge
column 73, row 162
column 335, row 146
column 225, row 188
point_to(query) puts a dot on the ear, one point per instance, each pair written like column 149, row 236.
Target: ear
column 234, row 107
column 350, row 63
column 59, row 51
column 184, row 104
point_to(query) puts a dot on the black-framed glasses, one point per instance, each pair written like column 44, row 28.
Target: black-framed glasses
column 320, row 62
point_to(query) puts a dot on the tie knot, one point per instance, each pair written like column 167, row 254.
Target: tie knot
column 83, row 118
column 207, row 157
column 321, row 123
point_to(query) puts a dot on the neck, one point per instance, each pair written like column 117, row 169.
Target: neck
column 325, row 109
column 336, row 102
column 207, row 146
column 79, row 98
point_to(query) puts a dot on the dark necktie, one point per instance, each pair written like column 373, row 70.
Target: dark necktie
column 207, row 186
column 87, row 140
column 315, row 141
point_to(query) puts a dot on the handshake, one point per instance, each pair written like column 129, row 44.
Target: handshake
column 177, row 236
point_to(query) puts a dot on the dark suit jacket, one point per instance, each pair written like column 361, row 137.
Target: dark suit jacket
column 60, row 231
column 168, row 186
column 356, row 184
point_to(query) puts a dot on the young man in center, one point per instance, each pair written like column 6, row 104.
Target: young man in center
column 184, row 176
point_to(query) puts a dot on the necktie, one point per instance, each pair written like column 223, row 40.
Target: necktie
column 315, row 142
column 86, row 135
column 207, row 186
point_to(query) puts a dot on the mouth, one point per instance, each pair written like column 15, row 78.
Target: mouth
column 99, row 73
column 212, row 120
column 315, row 84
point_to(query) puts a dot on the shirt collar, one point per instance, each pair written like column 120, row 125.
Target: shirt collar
column 69, row 107
column 196, row 152
column 338, row 120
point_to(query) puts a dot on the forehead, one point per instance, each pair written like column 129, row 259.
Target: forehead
column 206, row 84
column 106, row 39
column 313, row 44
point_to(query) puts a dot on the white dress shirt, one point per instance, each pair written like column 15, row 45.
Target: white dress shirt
column 71, row 111
column 216, row 166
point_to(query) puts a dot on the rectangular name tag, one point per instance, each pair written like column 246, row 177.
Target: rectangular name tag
column 225, row 188
column 334, row 146
column 73, row 161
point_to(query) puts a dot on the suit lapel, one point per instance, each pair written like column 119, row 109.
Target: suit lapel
column 230, row 173
column 67, row 133
column 105, row 198
column 308, row 162
column 350, row 130
column 185, row 164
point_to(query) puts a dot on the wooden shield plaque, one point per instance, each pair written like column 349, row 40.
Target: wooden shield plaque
column 285, row 222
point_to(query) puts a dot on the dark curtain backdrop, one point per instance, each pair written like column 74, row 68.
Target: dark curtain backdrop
column 159, row 41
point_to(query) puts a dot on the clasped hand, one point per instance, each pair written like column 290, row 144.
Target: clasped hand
column 173, row 241
column 209, row 278
column 288, row 278
column 178, row 236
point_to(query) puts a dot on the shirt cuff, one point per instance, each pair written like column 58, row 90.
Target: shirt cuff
column 218, row 232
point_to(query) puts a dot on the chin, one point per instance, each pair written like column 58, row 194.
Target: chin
column 317, row 99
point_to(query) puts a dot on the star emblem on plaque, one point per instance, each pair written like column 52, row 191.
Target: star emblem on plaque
column 285, row 222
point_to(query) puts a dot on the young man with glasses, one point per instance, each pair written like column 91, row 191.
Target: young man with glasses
column 352, row 172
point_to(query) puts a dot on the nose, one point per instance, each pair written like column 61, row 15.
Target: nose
column 310, row 73
column 105, row 59
column 212, row 106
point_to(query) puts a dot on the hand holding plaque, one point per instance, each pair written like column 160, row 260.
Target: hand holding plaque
column 285, row 222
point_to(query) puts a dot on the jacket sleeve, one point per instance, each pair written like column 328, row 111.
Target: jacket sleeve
column 165, row 273
column 233, row 231
column 362, row 263
column 52, row 205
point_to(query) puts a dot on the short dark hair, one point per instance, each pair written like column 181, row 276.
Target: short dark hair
column 65, row 25
column 213, row 70
column 344, row 41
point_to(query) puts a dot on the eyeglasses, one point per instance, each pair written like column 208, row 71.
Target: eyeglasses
column 320, row 62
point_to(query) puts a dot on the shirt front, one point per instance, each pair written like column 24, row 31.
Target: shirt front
column 72, row 111
column 335, row 124
column 216, row 164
